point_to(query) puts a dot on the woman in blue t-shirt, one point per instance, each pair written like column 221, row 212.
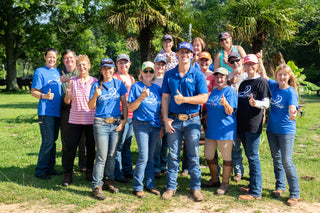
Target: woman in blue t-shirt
column 105, row 96
column 221, row 128
column 281, row 131
column 46, row 86
column 145, row 103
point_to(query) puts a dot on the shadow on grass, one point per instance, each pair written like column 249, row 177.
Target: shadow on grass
column 21, row 105
column 22, row 119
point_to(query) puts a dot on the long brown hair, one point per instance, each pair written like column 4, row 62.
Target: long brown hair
column 288, row 70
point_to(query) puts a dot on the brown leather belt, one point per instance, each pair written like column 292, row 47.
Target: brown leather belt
column 110, row 120
column 184, row 117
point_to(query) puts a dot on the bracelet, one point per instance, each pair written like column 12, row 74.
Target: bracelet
column 41, row 96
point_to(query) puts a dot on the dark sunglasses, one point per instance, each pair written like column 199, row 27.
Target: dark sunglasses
column 150, row 71
column 232, row 62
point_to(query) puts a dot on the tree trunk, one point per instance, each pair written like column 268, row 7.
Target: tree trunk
column 144, row 39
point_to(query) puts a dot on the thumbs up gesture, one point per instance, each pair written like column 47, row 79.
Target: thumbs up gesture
column 252, row 102
column 49, row 95
column 179, row 99
column 145, row 92
column 223, row 100
column 98, row 91
column 292, row 112
column 64, row 78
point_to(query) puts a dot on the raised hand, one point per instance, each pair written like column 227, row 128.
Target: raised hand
column 64, row 78
column 145, row 92
column 252, row 102
column 292, row 113
column 98, row 91
column 49, row 95
column 179, row 99
column 223, row 100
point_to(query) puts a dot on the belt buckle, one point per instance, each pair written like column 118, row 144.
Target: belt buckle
column 110, row 120
column 183, row 117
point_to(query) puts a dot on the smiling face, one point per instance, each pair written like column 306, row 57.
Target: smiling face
column 160, row 68
column 220, row 80
column 83, row 68
column 51, row 59
column 123, row 66
column 226, row 43
column 251, row 69
column 167, row 45
column 235, row 64
column 204, row 64
column 147, row 75
column 197, row 48
column 69, row 61
column 184, row 56
column 107, row 73
column 283, row 78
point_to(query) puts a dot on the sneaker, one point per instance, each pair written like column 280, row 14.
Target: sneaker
column 248, row 197
column 292, row 201
column 276, row 193
column 237, row 178
column 185, row 173
column 154, row 191
column 139, row 194
column 98, row 194
column 196, row 195
column 244, row 189
column 167, row 195
column 109, row 185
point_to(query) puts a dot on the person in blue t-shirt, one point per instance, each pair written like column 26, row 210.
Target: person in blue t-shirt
column 105, row 96
column 221, row 127
column 46, row 86
column 281, row 131
column 145, row 103
column 184, row 88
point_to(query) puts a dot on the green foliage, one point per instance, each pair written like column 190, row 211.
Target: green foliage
column 304, row 86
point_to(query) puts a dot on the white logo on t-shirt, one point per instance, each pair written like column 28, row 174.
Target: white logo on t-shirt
column 276, row 102
column 112, row 94
column 246, row 92
column 213, row 101
column 151, row 99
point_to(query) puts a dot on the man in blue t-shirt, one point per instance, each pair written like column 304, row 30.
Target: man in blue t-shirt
column 184, row 88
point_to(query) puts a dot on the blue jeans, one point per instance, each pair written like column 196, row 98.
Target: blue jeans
column 190, row 130
column 123, row 153
column 250, row 143
column 237, row 158
column 147, row 138
column 106, row 139
column 49, row 129
column 281, row 147
column 160, row 154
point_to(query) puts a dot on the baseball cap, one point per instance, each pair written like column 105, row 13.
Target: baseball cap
column 185, row 45
column 160, row 58
column 221, row 70
column 205, row 55
column 106, row 62
column 224, row 35
column 250, row 58
column 123, row 56
column 167, row 36
column 233, row 55
column 147, row 64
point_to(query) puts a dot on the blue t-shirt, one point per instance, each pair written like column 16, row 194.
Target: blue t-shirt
column 279, row 121
column 193, row 83
column 221, row 126
column 108, row 103
column 149, row 109
column 44, row 79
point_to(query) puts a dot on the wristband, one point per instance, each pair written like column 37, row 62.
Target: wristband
column 41, row 96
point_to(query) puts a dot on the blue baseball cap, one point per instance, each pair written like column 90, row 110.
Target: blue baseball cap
column 160, row 58
column 106, row 62
column 185, row 45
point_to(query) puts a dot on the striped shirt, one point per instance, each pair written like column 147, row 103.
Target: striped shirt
column 80, row 112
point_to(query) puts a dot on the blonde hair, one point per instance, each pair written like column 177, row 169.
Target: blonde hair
column 83, row 58
column 198, row 39
column 292, row 79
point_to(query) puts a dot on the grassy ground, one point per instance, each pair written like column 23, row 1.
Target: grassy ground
column 20, row 142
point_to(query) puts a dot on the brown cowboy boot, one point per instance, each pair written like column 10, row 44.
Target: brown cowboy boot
column 214, row 181
column 227, row 170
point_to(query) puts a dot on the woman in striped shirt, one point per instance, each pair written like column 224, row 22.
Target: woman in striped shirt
column 80, row 119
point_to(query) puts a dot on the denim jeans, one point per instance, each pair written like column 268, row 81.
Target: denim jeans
column 281, row 146
column 250, row 143
column 160, row 154
column 106, row 139
column 190, row 130
column 147, row 138
column 237, row 158
column 123, row 153
column 49, row 129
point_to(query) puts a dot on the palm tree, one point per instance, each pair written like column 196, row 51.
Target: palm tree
column 254, row 21
column 140, row 18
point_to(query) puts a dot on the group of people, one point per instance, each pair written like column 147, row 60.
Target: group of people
column 176, row 94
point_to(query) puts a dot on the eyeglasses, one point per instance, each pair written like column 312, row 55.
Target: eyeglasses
column 232, row 62
column 147, row 70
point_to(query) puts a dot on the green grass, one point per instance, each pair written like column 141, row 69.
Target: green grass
column 20, row 142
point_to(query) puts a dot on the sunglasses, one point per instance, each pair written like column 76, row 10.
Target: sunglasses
column 147, row 70
column 232, row 62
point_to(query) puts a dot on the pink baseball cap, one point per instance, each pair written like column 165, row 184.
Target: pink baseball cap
column 250, row 58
